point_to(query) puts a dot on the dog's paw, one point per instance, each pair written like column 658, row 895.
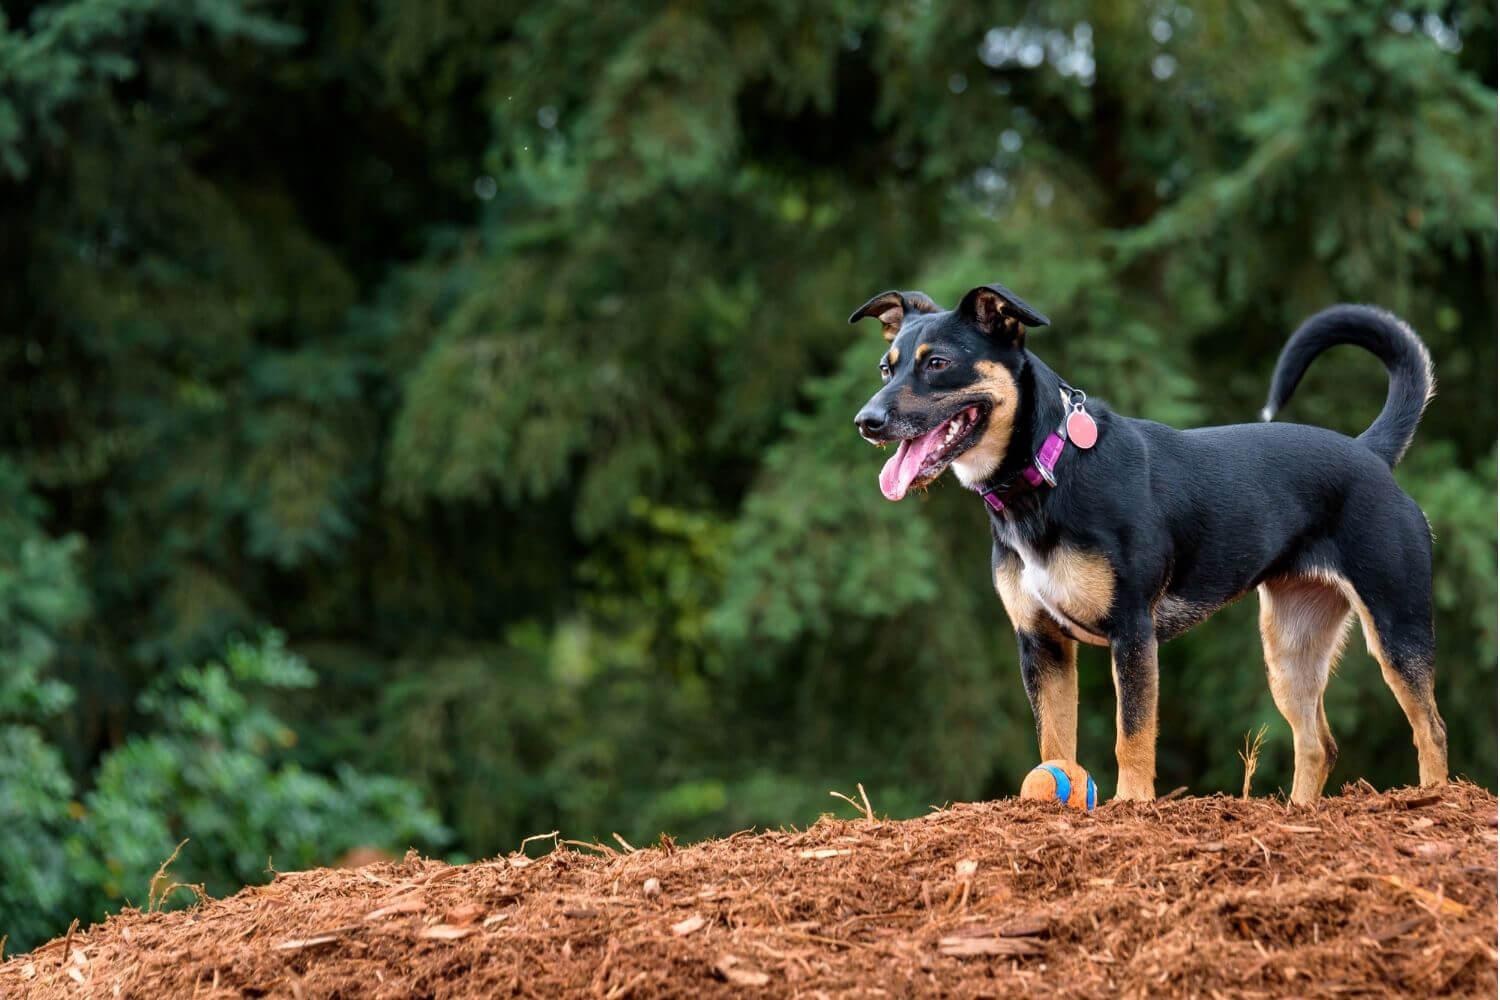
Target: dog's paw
column 1134, row 791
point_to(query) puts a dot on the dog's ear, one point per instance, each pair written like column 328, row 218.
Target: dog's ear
column 891, row 308
column 1000, row 312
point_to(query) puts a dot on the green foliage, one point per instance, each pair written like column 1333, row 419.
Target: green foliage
column 40, row 595
column 72, row 51
column 211, row 763
column 211, row 766
column 495, row 355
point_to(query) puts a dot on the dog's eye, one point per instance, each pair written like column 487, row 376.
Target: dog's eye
column 885, row 372
column 936, row 364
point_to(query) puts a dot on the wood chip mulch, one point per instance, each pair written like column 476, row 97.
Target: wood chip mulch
column 1370, row 894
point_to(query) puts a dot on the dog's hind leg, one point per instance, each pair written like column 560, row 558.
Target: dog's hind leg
column 1411, row 680
column 1397, row 619
column 1303, row 624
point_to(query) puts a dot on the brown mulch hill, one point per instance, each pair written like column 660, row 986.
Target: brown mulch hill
column 1370, row 894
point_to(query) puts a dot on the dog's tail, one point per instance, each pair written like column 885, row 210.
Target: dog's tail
column 1407, row 363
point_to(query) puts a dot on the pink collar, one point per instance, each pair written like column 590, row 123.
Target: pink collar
column 1040, row 471
column 1042, row 467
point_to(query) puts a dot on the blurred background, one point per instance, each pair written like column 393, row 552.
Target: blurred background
column 431, row 423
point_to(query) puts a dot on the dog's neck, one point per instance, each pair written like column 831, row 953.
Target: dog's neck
column 1038, row 414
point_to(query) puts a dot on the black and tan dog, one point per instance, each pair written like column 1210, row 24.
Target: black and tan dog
column 1149, row 531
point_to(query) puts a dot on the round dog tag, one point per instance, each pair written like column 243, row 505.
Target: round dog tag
column 1082, row 431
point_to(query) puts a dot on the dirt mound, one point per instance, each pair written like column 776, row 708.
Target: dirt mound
column 1369, row 894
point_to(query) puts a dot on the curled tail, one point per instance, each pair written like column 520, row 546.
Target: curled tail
column 1407, row 363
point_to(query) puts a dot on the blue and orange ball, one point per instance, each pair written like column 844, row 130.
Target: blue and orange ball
column 1061, row 781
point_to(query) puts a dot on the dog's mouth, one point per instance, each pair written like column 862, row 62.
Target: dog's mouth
column 920, row 460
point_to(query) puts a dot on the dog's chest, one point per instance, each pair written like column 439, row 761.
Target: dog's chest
column 1073, row 587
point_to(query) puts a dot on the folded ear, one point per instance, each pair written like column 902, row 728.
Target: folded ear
column 997, row 310
column 891, row 308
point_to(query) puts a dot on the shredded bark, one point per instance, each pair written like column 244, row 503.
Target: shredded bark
column 1369, row 894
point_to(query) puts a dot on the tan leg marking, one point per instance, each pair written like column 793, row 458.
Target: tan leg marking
column 1427, row 729
column 1057, row 680
column 1416, row 700
column 1136, row 753
column 1303, row 624
column 1057, row 707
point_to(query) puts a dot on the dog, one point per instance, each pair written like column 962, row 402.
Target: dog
column 1125, row 533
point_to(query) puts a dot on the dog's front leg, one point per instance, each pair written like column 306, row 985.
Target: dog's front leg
column 1133, row 655
column 1049, row 671
column 1049, row 661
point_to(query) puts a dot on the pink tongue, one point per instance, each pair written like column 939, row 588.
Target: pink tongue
column 902, row 467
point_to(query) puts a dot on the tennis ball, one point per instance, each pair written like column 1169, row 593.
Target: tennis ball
column 1061, row 781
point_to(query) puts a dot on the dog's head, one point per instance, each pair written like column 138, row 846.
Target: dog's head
column 952, row 384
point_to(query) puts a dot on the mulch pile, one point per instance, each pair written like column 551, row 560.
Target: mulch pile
column 1368, row 895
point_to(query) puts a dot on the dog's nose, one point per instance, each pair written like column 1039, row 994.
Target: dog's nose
column 872, row 421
